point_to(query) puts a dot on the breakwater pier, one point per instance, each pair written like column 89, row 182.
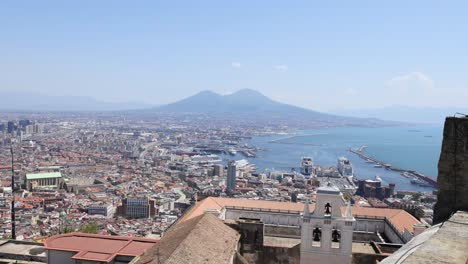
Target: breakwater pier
column 421, row 178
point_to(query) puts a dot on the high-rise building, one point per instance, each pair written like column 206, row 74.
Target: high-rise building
column 218, row 170
column 137, row 207
column 29, row 129
column 24, row 123
column 37, row 129
column 11, row 127
column 231, row 177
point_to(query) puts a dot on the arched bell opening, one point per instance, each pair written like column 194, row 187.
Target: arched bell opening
column 316, row 237
column 336, row 238
column 327, row 211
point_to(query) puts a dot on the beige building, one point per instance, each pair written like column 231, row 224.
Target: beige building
column 48, row 180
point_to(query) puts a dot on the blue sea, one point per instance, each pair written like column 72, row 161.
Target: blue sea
column 412, row 148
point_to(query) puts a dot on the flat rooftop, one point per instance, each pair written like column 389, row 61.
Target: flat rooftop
column 284, row 242
column 45, row 175
column 98, row 247
column 29, row 252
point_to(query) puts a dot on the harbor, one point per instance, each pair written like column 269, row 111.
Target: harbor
column 417, row 178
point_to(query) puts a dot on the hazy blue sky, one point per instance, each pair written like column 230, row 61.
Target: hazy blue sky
column 317, row 54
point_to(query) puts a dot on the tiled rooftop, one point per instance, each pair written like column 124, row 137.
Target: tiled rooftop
column 399, row 218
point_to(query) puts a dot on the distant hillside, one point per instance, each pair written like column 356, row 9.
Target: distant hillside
column 429, row 115
column 250, row 104
column 17, row 101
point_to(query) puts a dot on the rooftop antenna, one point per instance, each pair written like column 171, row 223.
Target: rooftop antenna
column 13, row 220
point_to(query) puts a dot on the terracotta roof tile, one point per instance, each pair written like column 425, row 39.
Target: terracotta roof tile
column 399, row 218
column 202, row 239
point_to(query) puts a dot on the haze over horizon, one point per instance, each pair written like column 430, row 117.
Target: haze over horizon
column 314, row 55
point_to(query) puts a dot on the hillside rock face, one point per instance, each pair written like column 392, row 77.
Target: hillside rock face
column 453, row 170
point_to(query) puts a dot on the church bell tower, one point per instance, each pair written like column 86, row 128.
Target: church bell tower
column 327, row 233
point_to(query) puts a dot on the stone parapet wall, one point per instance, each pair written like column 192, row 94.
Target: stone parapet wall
column 453, row 170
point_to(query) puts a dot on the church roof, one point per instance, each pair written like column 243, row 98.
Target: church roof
column 202, row 239
column 400, row 219
column 217, row 203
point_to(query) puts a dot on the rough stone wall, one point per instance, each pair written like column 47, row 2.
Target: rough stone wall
column 453, row 170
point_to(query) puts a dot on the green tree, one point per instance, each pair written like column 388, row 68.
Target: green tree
column 91, row 228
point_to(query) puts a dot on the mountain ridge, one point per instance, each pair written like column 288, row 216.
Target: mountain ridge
column 248, row 104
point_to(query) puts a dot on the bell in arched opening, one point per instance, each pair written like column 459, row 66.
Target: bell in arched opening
column 327, row 209
column 336, row 235
column 317, row 234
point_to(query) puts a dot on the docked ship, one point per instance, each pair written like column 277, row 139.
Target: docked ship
column 307, row 166
column 206, row 159
column 344, row 167
column 232, row 151
column 420, row 182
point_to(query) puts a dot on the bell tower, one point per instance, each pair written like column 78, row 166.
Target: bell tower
column 327, row 233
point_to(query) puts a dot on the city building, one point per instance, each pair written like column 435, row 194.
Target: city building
column 11, row 127
column 49, row 180
column 218, row 170
column 231, row 177
column 137, row 207
column 396, row 225
column 106, row 210
column 76, row 248
column 374, row 189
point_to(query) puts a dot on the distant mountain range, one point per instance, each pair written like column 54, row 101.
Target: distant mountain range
column 249, row 104
column 242, row 101
column 22, row 101
column 244, row 104
column 428, row 115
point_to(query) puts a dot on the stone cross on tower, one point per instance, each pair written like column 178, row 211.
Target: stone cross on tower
column 327, row 233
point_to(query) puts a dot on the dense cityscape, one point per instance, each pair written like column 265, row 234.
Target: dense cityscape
column 133, row 178
column 233, row 132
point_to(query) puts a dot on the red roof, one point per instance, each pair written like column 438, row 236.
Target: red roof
column 399, row 218
column 98, row 247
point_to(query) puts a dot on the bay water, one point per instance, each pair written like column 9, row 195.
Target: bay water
column 407, row 147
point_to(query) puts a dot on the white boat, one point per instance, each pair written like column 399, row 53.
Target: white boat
column 344, row 167
column 405, row 174
column 203, row 159
column 232, row 151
